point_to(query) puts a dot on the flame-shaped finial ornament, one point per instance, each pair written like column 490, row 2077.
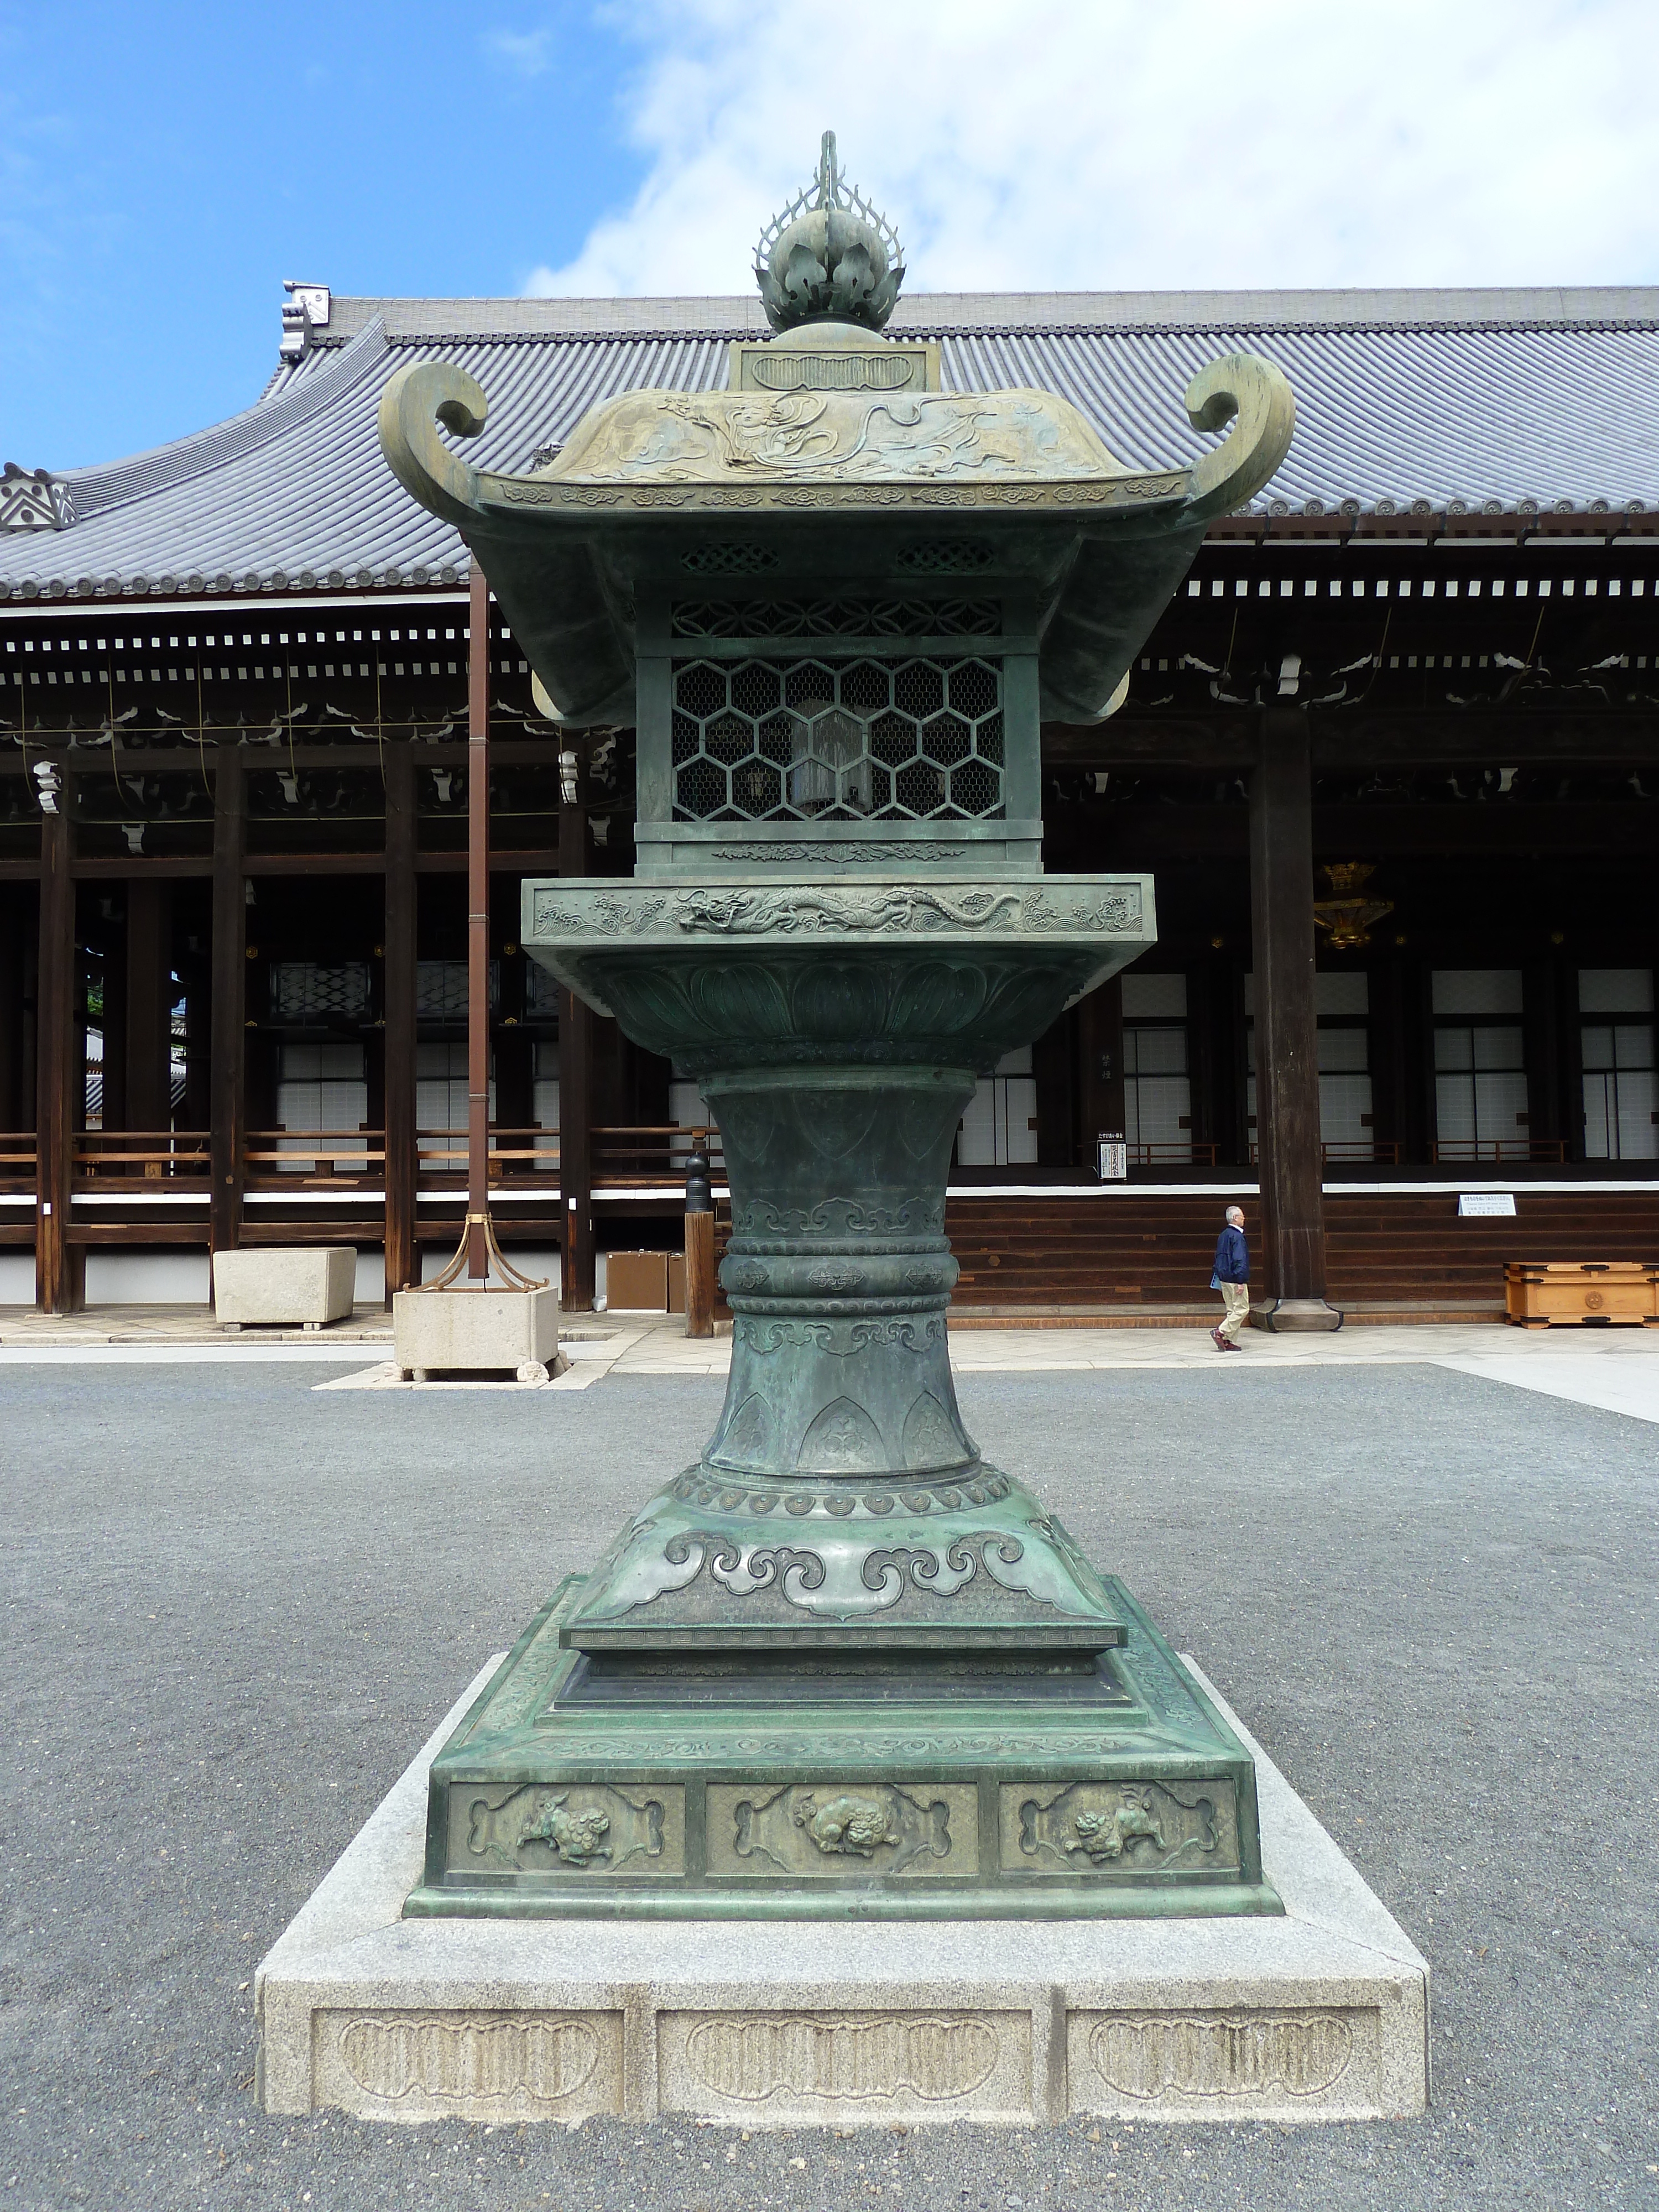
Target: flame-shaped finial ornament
column 829, row 257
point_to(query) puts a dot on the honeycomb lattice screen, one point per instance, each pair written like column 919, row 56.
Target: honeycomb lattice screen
column 838, row 740
column 838, row 618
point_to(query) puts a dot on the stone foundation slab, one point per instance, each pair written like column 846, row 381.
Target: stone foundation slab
column 1320, row 2016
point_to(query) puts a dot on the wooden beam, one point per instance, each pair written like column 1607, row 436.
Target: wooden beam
column 1397, row 737
column 402, row 1161
column 226, row 1037
column 1286, row 1027
column 56, row 1033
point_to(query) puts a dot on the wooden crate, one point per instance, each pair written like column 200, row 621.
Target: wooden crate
column 1583, row 1293
column 644, row 1282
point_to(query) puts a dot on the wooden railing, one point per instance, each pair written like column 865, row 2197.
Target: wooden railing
column 1471, row 1150
column 278, row 1159
column 172, row 1156
column 649, row 1153
column 1362, row 1151
column 17, row 1159
column 513, row 1152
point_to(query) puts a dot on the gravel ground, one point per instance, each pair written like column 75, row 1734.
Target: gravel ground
column 233, row 1607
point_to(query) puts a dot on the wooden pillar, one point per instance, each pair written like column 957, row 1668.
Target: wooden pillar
column 1056, row 1104
column 114, row 1027
column 577, row 1273
column 57, row 1065
column 1100, row 1065
column 399, row 975
column 226, row 1036
column 1290, row 1273
column 149, row 1003
column 700, row 1283
column 13, row 1112
column 478, row 930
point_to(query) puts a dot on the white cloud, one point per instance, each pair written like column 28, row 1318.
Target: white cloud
column 527, row 53
column 1084, row 144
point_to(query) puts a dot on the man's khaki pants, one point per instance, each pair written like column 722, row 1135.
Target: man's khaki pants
column 1236, row 1297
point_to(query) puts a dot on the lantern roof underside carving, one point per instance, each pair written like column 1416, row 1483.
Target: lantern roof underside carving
column 1517, row 404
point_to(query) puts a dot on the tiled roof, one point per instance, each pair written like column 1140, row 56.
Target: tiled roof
column 1432, row 401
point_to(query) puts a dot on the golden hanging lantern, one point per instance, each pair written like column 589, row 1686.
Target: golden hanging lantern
column 1347, row 915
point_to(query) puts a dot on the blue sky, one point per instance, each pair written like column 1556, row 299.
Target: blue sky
column 165, row 164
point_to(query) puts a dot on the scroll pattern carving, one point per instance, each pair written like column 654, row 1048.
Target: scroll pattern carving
column 845, row 2058
column 1222, row 2055
column 438, row 2057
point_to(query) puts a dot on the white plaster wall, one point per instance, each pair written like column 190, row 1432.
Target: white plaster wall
column 146, row 1278
column 527, row 1258
column 16, row 1278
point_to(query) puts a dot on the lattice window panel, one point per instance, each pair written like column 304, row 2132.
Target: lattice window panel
column 440, row 989
column 837, row 618
column 541, row 993
column 304, row 991
column 858, row 740
column 729, row 560
column 947, row 557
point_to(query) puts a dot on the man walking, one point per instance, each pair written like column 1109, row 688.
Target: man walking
column 1232, row 1277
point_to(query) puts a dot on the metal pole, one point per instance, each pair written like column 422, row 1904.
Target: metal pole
column 478, row 930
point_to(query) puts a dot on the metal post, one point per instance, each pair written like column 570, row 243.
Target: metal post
column 402, row 1160
column 478, row 930
column 578, row 1274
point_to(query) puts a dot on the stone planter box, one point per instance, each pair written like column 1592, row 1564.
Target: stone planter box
column 474, row 1332
column 1551, row 1294
column 295, row 1287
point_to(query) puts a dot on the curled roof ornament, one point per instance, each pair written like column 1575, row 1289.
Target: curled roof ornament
column 829, row 256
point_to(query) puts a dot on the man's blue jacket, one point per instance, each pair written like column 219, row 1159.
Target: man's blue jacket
column 1233, row 1258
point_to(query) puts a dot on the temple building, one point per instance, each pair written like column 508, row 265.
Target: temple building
column 1411, row 691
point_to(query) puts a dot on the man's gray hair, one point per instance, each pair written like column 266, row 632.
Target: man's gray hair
column 1236, row 1213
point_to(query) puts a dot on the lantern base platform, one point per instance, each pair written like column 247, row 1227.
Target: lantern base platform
column 831, row 1784
column 1319, row 2014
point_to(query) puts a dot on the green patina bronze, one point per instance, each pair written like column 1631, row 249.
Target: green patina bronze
column 841, row 1665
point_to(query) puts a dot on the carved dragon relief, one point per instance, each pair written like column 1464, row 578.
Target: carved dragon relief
column 559, row 911
column 1017, row 443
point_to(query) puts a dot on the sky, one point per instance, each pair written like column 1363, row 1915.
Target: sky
column 166, row 164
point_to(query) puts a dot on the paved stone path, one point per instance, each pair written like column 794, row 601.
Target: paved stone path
column 234, row 1601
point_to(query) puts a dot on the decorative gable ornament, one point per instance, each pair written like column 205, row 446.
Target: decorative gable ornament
column 33, row 499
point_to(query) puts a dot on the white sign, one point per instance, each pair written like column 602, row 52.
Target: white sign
column 1486, row 1201
column 1113, row 1160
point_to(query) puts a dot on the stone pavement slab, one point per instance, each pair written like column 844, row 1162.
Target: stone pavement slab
column 232, row 1605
